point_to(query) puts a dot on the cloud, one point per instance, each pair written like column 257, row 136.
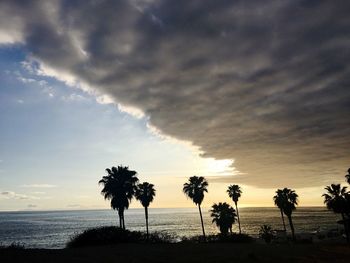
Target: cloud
column 264, row 83
column 38, row 193
column 13, row 195
column 74, row 206
column 39, row 186
column 32, row 206
column 42, row 84
column 75, row 98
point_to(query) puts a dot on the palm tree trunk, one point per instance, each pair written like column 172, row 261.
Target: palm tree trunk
column 200, row 213
column 291, row 227
column 120, row 220
column 284, row 224
column 146, row 215
column 346, row 227
column 239, row 221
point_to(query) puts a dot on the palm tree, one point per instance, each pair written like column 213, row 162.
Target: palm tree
column 145, row 193
column 266, row 233
column 234, row 192
column 224, row 216
column 337, row 200
column 119, row 186
column 347, row 176
column 278, row 200
column 290, row 201
column 195, row 189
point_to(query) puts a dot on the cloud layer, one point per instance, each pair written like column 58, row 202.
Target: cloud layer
column 265, row 83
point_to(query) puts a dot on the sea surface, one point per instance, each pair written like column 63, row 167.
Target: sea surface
column 52, row 229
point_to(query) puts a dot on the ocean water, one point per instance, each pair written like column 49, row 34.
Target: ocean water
column 52, row 229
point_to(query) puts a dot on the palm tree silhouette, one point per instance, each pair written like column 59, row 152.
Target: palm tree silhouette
column 347, row 176
column 337, row 200
column 290, row 201
column 195, row 189
column 119, row 186
column 234, row 192
column 145, row 193
column 278, row 200
column 266, row 233
column 224, row 216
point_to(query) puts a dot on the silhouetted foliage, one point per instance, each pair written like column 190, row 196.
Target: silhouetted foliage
column 145, row 193
column 234, row 192
column 195, row 189
column 119, row 186
column 224, row 216
column 337, row 199
column 114, row 235
column 287, row 199
column 347, row 176
column 278, row 200
column 266, row 233
column 13, row 246
column 219, row 238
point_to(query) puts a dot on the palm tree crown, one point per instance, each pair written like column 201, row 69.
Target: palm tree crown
column 224, row 216
column 278, row 198
column 347, row 176
column 335, row 198
column 145, row 193
column 290, row 201
column 119, row 186
column 234, row 192
column 195, row 189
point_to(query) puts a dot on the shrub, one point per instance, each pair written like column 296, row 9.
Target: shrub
column 266, row 233
column 113, row 235
column 219, row 238
column 13, row 246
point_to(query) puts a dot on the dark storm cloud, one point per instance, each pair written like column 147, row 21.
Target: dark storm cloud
column 263, row 82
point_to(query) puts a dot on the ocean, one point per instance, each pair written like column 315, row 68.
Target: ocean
column 52, row 229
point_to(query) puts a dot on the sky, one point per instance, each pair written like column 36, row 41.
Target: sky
column 242, row 92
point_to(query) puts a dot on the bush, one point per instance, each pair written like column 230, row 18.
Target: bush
column 219, row 238
column 266, row 233
column 113, row 235
column 160, row 237
column 13, row 246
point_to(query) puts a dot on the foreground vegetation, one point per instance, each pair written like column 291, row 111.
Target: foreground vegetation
column 112, row 235
column 184, row 252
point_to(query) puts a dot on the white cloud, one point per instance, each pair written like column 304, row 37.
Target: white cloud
column 38, row 193
column 13, row 195
column 39, row 186
column 75, row 98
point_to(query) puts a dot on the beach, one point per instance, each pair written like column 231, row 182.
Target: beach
column 185, row 253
